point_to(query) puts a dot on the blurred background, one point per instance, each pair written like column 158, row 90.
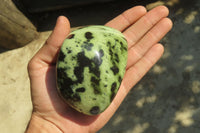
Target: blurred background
column 166, row 100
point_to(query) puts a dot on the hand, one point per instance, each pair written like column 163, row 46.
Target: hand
column 142, row 30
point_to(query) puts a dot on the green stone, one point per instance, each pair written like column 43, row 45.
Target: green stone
column 90, row 67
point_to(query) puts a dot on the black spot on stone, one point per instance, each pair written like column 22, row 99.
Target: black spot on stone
column 76, row 98
column 64, row 83
column 123, row 48
column 97, row 91
column 94, row 110
column 111, row 51
column 88, row 46
column 105, row 85
column 69, row 51
column 88, row 35
column 94, row 99
column 83, row 61
column 70, row 36
column 120, row 79
column 116, row 40
column 113, row 86
column 61, row 56
column 77, row 42
column 115, row 69
column 113, row 47
column 95, row 80
column 101, row 53
column 95, row 70
column 116, row 58
column 112, row 96
column 73, row 58
column 95, row 84
column 80, row 89
column 106, row 71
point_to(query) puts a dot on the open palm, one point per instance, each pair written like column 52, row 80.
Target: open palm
column 143, row 30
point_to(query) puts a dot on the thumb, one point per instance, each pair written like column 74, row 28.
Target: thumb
column 48, row 53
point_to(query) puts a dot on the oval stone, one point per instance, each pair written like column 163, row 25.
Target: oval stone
column 90, row 67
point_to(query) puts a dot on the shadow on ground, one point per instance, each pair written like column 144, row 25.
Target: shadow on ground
column 90, row 14
column 167, row 99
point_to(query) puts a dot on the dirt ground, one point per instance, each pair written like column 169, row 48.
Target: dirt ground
column 166, row 100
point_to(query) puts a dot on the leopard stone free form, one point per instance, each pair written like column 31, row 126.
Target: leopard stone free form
column 90, row 67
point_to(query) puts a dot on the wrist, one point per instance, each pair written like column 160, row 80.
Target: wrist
column 40, row 125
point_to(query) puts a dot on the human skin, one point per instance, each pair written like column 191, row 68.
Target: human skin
column 143, row 30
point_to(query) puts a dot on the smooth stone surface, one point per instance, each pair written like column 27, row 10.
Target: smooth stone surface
column 90, row 68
